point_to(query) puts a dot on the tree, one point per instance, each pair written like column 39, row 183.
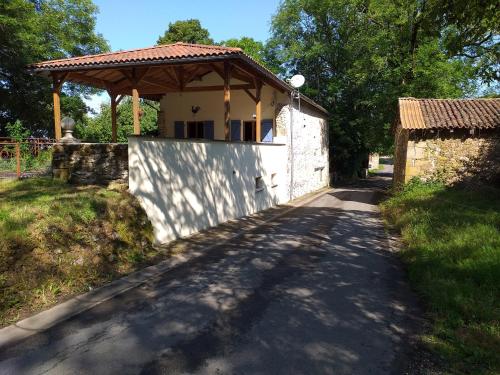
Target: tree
column 98, row 129
column 358, row 57
column 260, row 52
column 188, row 31
column 36, row 30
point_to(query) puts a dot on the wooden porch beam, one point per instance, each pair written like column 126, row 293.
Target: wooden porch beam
column 258, row 112
column 179, row 73
column 268, row 81
column 227, row 99
column 217, row 70
column 243, row 75
column 171, row 75
column 160, row 84
column 215, row 88
column 252, row 96
column 114, row 104
column 234, row 74
column 135, row 110
column 193, row 74
column 58, row 81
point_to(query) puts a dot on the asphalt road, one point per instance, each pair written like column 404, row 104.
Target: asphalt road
column 315, row 292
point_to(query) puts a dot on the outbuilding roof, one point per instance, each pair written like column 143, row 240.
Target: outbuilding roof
column 449, row 113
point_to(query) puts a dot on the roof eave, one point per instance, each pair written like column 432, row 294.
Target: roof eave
column 47, row 70
column 187, row 60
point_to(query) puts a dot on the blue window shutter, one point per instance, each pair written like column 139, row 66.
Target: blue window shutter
column 267, row 130
column 208, row 130
column 235, row 130
column 179, row 129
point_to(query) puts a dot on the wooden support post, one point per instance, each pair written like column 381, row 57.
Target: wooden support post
column 227, row 99
column 113, row 118
column 135, row 109
column 58, row 80
column 57, row 112
column 18, row 160
column 258, row 112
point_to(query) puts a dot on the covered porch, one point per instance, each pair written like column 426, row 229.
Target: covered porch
column 175, row 70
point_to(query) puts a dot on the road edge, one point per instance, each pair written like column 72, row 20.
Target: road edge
column 46, row 319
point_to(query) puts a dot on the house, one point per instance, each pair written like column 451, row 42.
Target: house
column 233, row 138
column 448, row 139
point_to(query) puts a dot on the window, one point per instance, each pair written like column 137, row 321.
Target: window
column 235, row 130
column 179, row 129
column 274, row 180
column 249, row 131
column 200, row 129
column 259, row 184
column 319, row 171
column 195, row 129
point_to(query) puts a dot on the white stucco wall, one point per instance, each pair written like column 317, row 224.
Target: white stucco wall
column 308, row 153
column 186, row 186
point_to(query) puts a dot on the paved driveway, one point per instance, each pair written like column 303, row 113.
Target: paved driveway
column 315, row 292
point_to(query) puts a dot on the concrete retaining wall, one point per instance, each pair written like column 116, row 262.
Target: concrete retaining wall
column 189, row 185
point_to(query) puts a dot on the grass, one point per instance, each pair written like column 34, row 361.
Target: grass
column 375, row 170
column 57, row 240
column 452, row 248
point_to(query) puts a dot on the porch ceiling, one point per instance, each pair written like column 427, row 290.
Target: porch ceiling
column 154, row 81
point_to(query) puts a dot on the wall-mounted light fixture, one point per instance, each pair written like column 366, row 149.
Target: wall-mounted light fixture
column 195, row 109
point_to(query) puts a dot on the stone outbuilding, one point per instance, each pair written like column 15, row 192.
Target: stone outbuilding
column 448, row 139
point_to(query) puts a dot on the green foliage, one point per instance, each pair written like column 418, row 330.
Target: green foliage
column 260, row 52
column 17, row 131
column 98, row 129
column 358, row 57
column 452, row 240
column 188, row 31
column 32, row 31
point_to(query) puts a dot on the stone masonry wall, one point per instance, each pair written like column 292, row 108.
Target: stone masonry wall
column 455, row 160
column 91, row 163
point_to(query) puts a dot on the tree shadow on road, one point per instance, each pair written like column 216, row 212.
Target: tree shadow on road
column 317, row 291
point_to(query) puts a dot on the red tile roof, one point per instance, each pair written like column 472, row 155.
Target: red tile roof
column 157, row 53
column 178, row 52
column 449, row 113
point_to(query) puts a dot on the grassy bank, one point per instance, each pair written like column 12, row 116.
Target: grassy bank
column 452, row 239
column 57, row 240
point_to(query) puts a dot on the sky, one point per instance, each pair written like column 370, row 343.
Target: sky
column 128, row 24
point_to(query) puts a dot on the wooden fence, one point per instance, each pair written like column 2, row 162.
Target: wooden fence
column 13, row 149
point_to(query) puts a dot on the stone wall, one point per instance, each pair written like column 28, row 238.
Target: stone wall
column 91, row 163
column 460, row 159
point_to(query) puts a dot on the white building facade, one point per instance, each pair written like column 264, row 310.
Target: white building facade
column 190, row 178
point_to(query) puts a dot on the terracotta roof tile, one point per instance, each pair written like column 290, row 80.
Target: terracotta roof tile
column 449, row 113
column 150, row 54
